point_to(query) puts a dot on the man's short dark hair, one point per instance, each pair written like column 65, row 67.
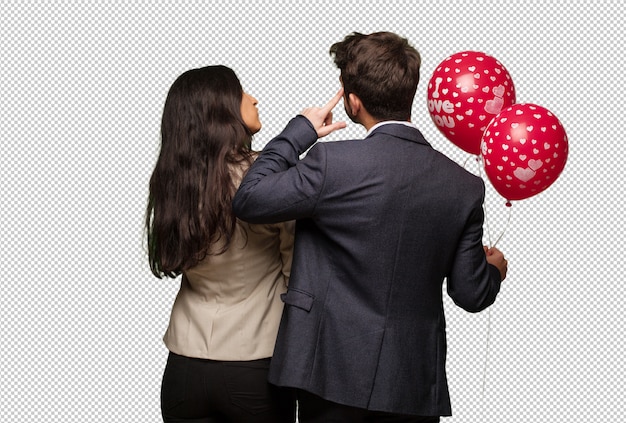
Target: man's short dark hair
column 382, row 69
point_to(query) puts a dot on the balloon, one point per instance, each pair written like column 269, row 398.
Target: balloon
column 465, row 92
column 524, row 150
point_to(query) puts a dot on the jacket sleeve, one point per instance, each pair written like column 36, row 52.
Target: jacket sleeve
column 279, row 186
column 473, row 284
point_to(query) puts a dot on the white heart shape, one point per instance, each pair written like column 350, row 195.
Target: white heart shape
column 535, row 164
column 524, row 175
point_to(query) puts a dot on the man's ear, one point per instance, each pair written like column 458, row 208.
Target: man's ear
column 355, row 104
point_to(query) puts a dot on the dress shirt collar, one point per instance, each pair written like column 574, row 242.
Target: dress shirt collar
column 387, row 122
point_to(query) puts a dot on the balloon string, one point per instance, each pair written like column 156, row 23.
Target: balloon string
column 477, row 158
column 487, row 353
column 487, row 224
column 508, row 221
column 491, row 245
column 488, row 335
column 480, row 173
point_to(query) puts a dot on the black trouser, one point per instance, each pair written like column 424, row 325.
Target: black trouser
column 313, row 409
column 207, row 391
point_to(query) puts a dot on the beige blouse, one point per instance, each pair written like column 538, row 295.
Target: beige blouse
column 228, row 306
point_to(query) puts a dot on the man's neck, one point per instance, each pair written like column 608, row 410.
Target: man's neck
column 368, row 121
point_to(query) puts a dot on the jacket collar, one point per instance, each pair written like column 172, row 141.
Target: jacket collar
column 404, row 130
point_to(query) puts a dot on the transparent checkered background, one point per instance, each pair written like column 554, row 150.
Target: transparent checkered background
column 83, row 85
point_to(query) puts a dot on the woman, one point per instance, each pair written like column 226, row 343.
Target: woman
column 225, row 317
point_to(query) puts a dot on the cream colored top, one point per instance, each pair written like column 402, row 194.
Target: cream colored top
column 229, row 306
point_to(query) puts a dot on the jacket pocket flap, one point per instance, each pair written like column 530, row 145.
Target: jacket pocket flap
column 299, row 299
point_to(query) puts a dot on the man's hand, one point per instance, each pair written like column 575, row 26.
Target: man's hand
column 322, row 117
column 495, row 257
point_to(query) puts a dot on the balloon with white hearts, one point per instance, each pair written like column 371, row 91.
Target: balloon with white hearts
column 465, row 92
column 524, row 150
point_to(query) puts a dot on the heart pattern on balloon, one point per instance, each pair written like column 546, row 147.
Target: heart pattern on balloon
column 519, row 161
column 465, row 92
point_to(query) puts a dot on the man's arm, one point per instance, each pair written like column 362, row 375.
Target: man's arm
column 278, row 186
column 474, row 281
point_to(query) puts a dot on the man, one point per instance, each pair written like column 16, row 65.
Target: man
column 381, row 222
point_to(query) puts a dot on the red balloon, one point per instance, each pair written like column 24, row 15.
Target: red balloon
column 465, row 92
column 524, row 150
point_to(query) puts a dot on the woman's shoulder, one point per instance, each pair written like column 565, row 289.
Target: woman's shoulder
column 239, row 169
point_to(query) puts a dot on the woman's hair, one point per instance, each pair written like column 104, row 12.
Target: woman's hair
column 191, row 188
column 382, row 69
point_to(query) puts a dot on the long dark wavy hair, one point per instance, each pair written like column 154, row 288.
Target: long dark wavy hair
column 202, row 135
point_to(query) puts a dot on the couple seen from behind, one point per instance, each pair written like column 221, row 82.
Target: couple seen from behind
column 312, row 282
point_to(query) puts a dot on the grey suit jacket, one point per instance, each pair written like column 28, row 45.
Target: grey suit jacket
column 381, row 222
